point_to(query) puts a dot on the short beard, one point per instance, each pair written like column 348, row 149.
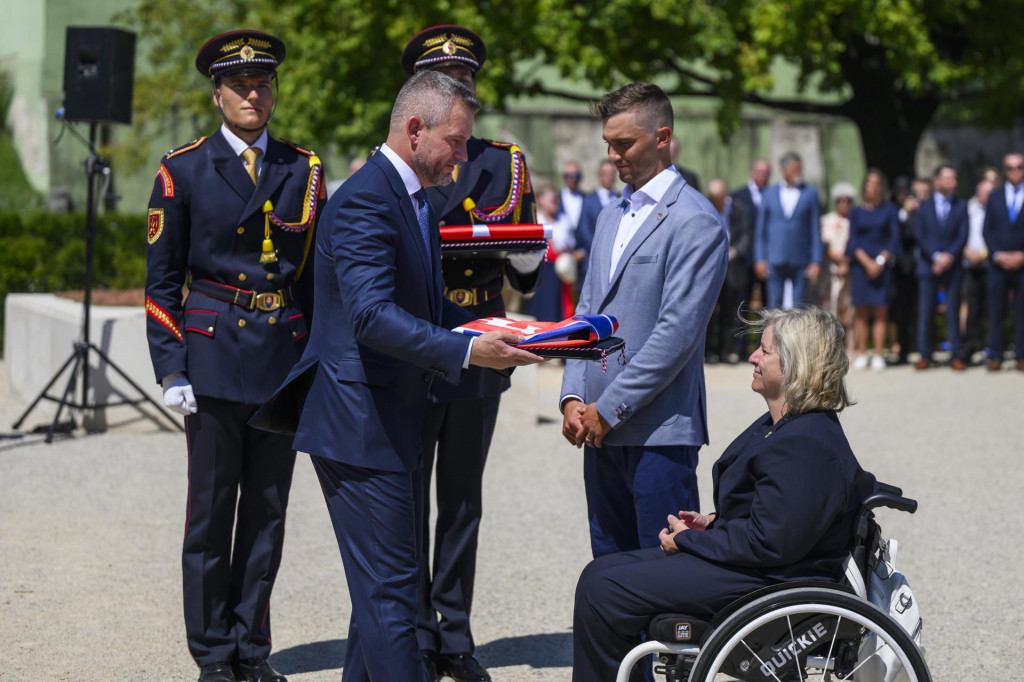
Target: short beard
column 434, row 174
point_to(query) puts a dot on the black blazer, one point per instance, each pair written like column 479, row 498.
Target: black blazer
column 786, row 495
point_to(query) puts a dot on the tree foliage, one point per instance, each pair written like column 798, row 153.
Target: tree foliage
column 889, row 65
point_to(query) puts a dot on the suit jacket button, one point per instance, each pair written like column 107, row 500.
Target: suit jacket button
column 240, row 230
column 241, row 323
column 468, row 273
column 270, row 275
column 272, row 320
column 241, row 277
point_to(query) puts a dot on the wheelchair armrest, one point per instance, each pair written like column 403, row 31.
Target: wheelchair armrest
column 890, row 500
column 886, row 488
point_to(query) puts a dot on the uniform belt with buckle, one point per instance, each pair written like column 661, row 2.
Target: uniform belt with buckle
column 472, row 296
column 266, row 301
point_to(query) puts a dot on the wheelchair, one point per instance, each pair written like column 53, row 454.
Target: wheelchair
column 793, row 631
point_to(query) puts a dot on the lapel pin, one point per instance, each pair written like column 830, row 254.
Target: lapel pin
column 660, row 216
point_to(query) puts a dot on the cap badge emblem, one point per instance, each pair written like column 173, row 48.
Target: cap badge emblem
column 247, row 52
column 448, row 48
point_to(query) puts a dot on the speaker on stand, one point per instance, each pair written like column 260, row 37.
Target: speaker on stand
column 99, row 68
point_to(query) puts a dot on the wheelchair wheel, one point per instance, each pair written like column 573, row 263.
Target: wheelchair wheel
column 809, row 633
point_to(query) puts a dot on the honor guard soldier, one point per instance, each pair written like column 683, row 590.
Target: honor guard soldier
column 493, row 186
column 231, row 218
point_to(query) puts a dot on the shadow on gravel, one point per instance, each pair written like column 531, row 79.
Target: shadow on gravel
column 548, row 650
column 310, row 658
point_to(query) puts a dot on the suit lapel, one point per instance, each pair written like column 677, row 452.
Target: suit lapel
column 412, row 226
column 654, row 219
column 601, row 250
column 230, row 168
column 273, row 172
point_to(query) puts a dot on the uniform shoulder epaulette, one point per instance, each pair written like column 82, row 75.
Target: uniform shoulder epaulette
column 301, row 150
column 500, row 145
column 194, row 144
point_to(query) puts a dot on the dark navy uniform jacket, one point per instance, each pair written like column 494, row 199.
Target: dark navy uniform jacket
column 786, row 495
column 475, row 283
column 206, row 222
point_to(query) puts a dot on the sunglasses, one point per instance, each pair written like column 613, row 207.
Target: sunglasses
column 1013, row 168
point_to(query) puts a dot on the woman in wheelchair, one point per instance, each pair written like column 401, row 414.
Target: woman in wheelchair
column 786, row 493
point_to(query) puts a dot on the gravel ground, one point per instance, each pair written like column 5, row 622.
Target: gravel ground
column 90, row 533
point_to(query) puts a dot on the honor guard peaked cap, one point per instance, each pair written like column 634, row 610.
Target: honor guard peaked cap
column 240, row 53
column 445, row 44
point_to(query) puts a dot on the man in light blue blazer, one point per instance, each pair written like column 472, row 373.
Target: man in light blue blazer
column 787, row 235
column 357, row 397
column 657, row 264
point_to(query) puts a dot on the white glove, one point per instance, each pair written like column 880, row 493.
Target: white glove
column 178, row 395
column 526, row 261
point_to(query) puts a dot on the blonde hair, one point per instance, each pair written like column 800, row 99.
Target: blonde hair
column 811, row 344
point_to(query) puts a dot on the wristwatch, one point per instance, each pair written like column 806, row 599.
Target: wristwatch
column 880, row 259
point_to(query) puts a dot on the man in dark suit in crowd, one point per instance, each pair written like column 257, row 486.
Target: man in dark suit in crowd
column 748, row 198
column 940, row 230
column 1004, row 237
column 593, row 204
column 571, row 197
column 787, row 235
column 491, row 187
column 378, row 342
column 691, row 177
column 725, row 323
column 225, row 349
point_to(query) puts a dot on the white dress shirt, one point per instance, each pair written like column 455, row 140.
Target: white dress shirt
column 238, row 145
column 1014, row 197
column 572, row 205
column 789, row 197
column 637, row 205
column 412, row 185
column 755, row 193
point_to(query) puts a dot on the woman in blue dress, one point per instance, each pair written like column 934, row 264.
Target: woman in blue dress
column 873, row 245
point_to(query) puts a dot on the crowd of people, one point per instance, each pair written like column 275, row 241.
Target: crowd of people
column 893, row 263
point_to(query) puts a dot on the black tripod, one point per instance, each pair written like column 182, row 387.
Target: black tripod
column 95, row 167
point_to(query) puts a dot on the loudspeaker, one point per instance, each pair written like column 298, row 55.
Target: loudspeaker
column 99, row 66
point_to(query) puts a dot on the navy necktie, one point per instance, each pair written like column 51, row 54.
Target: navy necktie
column 425, row 217
column 943, row 209
column 1014, row 209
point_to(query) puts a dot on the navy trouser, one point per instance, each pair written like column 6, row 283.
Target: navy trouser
column 460, row 431
column 227, row 591
column 1000, row 283
column 775, row 286
column 632, row 489
column 376, row 522
column 927, row 291
column 618, row 594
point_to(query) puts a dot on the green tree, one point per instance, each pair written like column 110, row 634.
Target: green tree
column 890, row 66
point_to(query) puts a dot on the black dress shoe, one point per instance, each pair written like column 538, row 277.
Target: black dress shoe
column 463, row 667
column 258, row 670
column 216, row 672
column 430, row 659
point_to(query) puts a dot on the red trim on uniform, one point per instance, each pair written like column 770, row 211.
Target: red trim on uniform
column 197, row 310
column 167, row 180
column 296, row 316
column 300, row 337
column 199, row 331
column 188, row 503
column 163, row 317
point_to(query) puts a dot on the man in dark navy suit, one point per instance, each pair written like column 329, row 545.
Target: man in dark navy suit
column 725, row 325
column 1004, row 238
column 492, row 186
column 749, row 198
column 378, row 342
column 787, row 235
column 232, row 217
column 593, row 204
column 940, row 230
